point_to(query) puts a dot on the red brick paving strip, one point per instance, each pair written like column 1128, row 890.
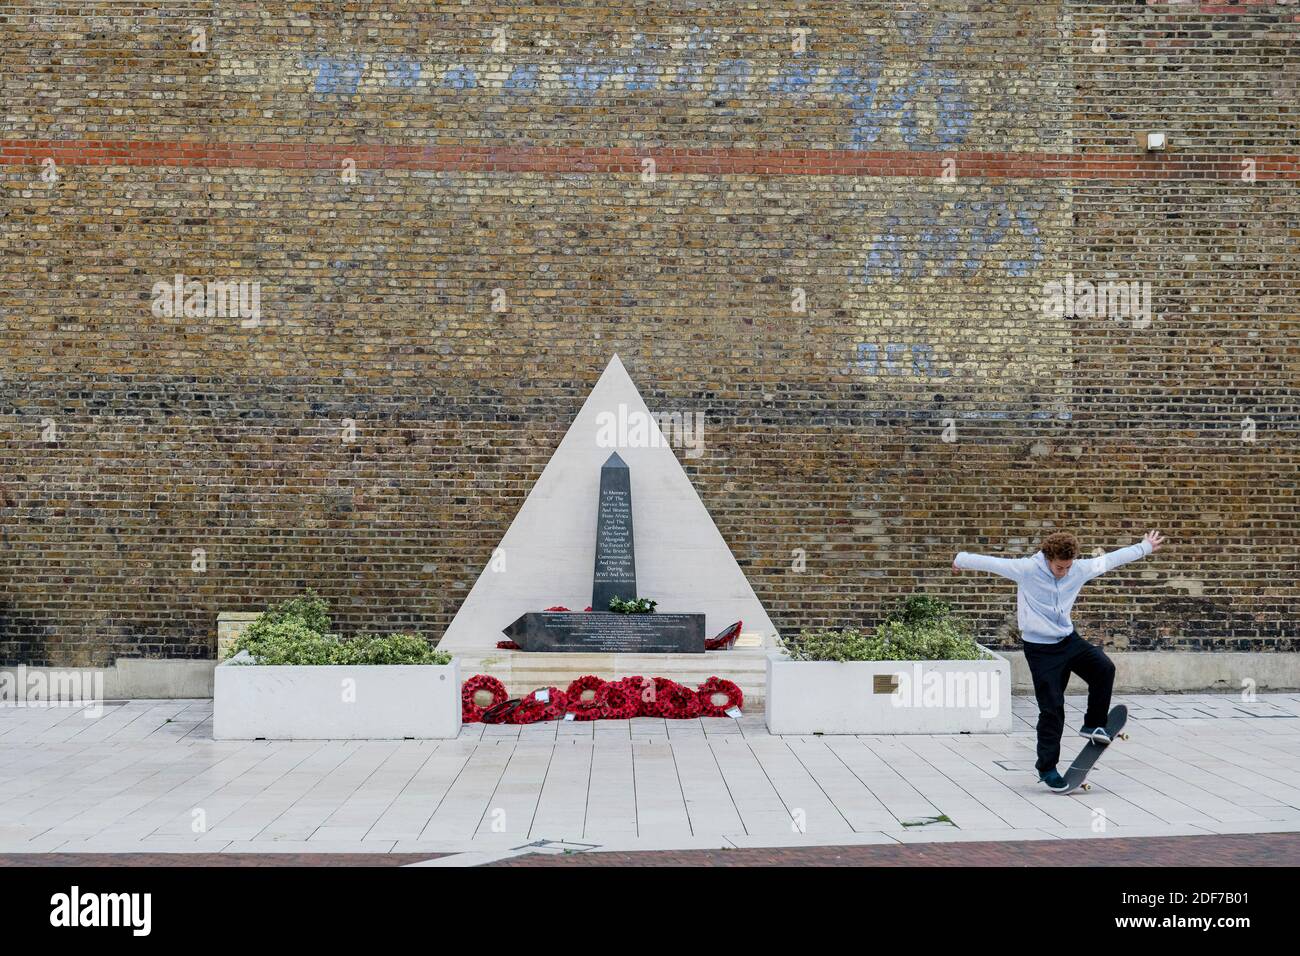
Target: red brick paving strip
column 214, row 859
column 1248, row 849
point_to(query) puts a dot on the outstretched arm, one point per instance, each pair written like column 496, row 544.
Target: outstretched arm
column 1113, row 559
column 1013, row 568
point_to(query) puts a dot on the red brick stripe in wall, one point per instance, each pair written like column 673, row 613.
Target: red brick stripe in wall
column 614, row 160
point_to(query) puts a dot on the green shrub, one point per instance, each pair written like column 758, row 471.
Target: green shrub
column 919, row 628
column 393, row 649
column 920, row 609
column 294, row 632
column 822, row 644
column 933, row 641
column 309, row 611
column 288, row 642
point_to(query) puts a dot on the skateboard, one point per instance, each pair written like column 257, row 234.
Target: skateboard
column 1076, row 777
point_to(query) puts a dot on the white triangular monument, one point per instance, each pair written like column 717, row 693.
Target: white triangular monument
column 547, row 555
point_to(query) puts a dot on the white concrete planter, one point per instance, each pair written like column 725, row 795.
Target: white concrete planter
column 336, row 702
column 889, row 697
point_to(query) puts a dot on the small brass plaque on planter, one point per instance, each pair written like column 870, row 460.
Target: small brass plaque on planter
column 884, row 683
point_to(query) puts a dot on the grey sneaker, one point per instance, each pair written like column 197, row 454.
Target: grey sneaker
column 1055, row 782
column 1097, row 735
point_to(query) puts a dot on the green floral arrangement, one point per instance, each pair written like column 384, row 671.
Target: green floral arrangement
column 634, row 606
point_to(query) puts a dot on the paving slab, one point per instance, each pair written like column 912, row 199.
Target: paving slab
column 146, row 777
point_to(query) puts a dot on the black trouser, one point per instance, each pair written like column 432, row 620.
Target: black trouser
column 1051, row 666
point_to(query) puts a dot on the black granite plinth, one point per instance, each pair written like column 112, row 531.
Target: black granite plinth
column 608, row 633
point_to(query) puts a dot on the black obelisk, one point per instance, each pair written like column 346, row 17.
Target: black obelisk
column 615, row 573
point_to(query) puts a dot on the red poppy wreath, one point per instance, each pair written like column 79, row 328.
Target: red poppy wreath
column 471, row 711
column 581, row 706
column 679, row 703
column 719, row 687
column 642, row 690
column 656, row 706
column 617, row 702
column 532, row 708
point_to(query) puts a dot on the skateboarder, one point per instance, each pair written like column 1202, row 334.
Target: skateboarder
column 1047, row 584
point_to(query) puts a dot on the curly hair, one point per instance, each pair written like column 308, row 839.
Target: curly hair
column 1060, row 546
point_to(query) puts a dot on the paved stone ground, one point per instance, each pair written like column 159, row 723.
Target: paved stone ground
column 1245, row 849
column 146, row 777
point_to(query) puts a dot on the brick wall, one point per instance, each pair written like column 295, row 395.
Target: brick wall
column 387, row 171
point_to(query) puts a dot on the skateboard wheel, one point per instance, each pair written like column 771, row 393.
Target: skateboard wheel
column 1086, row 787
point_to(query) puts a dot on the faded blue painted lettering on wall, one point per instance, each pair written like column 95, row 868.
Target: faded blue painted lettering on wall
column 963, row 237
column 900, row 358
column 689, row 68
